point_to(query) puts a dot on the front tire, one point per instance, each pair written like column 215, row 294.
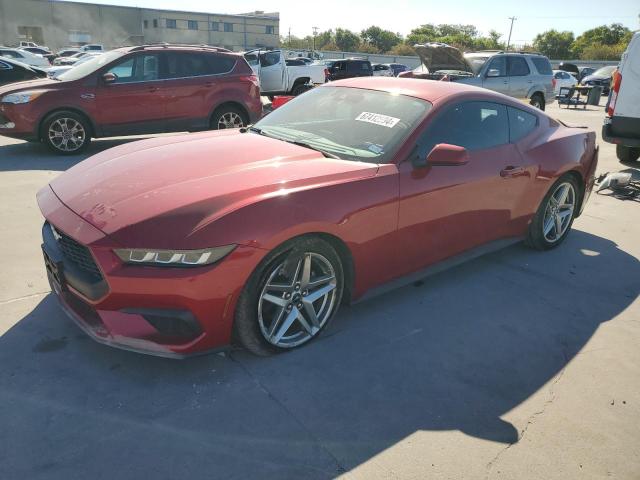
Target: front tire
column 290, row 298
column 66, row 133
column 554, row 218
column 537, row 101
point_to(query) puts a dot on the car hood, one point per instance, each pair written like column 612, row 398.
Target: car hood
column 440, row 56
column 596, row 77
column 202, row 176
column 28, row 85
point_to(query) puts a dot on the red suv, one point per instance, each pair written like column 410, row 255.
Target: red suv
column 131, row 91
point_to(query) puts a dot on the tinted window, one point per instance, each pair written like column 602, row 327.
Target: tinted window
column 499, row 64
column 521, row 123
column 518, row 67
column 270, row 29
column 5, row 66
column 171, row 23
column 558, row 75
column 472, row 125
column 140, row 68
column 215, row 26
column 192, row 25
column 228, row 27
column 542, row 65
column 181, row 65
column 10, row 54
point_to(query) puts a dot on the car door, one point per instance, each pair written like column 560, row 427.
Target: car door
column 520, row 78
column 134, row 102
column 272, row 72
column 339, row 70
column 495, row 76
column 446, row 210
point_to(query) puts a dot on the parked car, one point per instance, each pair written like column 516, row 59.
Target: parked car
column 133, row 90
column 24, row 43
column 601, row 77
column 72, row 59
column 398, row 68
column 92, row 47
column 260, row 234
column 278, row 78
column 563, row 80
column 56, row 71
column 12, row 71
column 66, row 52
column 622, row 122
column 350, row 68
column 24, row 57
column 44, row 52
column 382, row 70
column 526, row 76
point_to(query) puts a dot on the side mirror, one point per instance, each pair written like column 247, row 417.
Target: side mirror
column 493, row 72
column 443, row 154
column 109, row 77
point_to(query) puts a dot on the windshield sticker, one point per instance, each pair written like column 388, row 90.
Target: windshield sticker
column 375, row 148
column 378, row 119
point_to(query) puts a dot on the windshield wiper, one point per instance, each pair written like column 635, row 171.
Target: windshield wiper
column 294, row 142
column 306, row 145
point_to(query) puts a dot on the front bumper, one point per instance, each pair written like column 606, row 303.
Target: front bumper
column 171, row 312
column 18, row 121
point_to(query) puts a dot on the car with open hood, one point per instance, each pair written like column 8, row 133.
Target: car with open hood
column 525, row 76
column 179, row 245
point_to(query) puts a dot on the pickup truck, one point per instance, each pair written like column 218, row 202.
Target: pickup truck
column 526, row 76
column 277, row 78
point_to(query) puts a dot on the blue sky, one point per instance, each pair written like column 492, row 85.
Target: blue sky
column 533, row 16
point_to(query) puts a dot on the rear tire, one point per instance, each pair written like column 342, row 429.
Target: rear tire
column 277, row 289
column 66, row 132
column 228, row 116
column 299, row 89
column 537, row 101
column 550, row 225
column 627, row 155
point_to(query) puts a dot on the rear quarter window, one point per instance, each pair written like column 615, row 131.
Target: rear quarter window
column 542, row 65
column 521, row 123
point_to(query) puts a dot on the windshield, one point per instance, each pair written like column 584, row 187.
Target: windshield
column 83, row 69
column 350, row 123
column 604, row 71
column 476, row 63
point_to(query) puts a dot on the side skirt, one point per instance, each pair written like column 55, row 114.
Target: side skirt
column 439, row 267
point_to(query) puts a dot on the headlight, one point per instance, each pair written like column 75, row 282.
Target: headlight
column 22, row 97
column 173, row 258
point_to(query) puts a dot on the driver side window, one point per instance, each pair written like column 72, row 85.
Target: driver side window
column 270, row 58
column 138, row 68
column 472, row 125
column 499, row 64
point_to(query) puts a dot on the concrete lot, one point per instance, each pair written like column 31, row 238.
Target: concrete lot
column 517, row 365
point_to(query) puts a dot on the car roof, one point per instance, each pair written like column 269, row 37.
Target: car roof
column 428, row 90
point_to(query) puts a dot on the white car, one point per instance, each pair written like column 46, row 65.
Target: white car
column 71, row 60
column 382, row 70
column 563, row 79
column 24, row 57
column 56, row 71
column 92, row 47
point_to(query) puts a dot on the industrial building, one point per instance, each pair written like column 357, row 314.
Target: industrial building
column 59, row 24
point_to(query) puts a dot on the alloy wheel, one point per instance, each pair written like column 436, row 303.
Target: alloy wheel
column 559, row 212
column 67, row 134
column 293, row 308
column 230, row 120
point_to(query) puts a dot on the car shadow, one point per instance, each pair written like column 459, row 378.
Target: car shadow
column 36, row 156
column 453, row 352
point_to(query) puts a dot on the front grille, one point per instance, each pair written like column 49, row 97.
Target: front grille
column 77, row 254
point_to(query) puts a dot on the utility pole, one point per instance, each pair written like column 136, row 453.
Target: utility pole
column 315, row 32
column 510, row 30
column 289, row 37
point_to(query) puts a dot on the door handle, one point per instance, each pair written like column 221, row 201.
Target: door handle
column 208, row 84
column 511, row 171
column 153, row 89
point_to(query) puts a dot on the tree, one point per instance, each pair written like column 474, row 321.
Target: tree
column 322, row 39
column 554, row 44
column 423, row 34
column 381, row 40
column 346, row 40
column 613, row 34
column 598, row 51
column 402, row 49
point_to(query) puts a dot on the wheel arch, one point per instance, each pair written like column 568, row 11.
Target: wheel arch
column 76, row 110
column 230, row 103
column 581, row 185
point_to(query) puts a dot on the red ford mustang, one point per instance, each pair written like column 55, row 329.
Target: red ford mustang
column 178, row 245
